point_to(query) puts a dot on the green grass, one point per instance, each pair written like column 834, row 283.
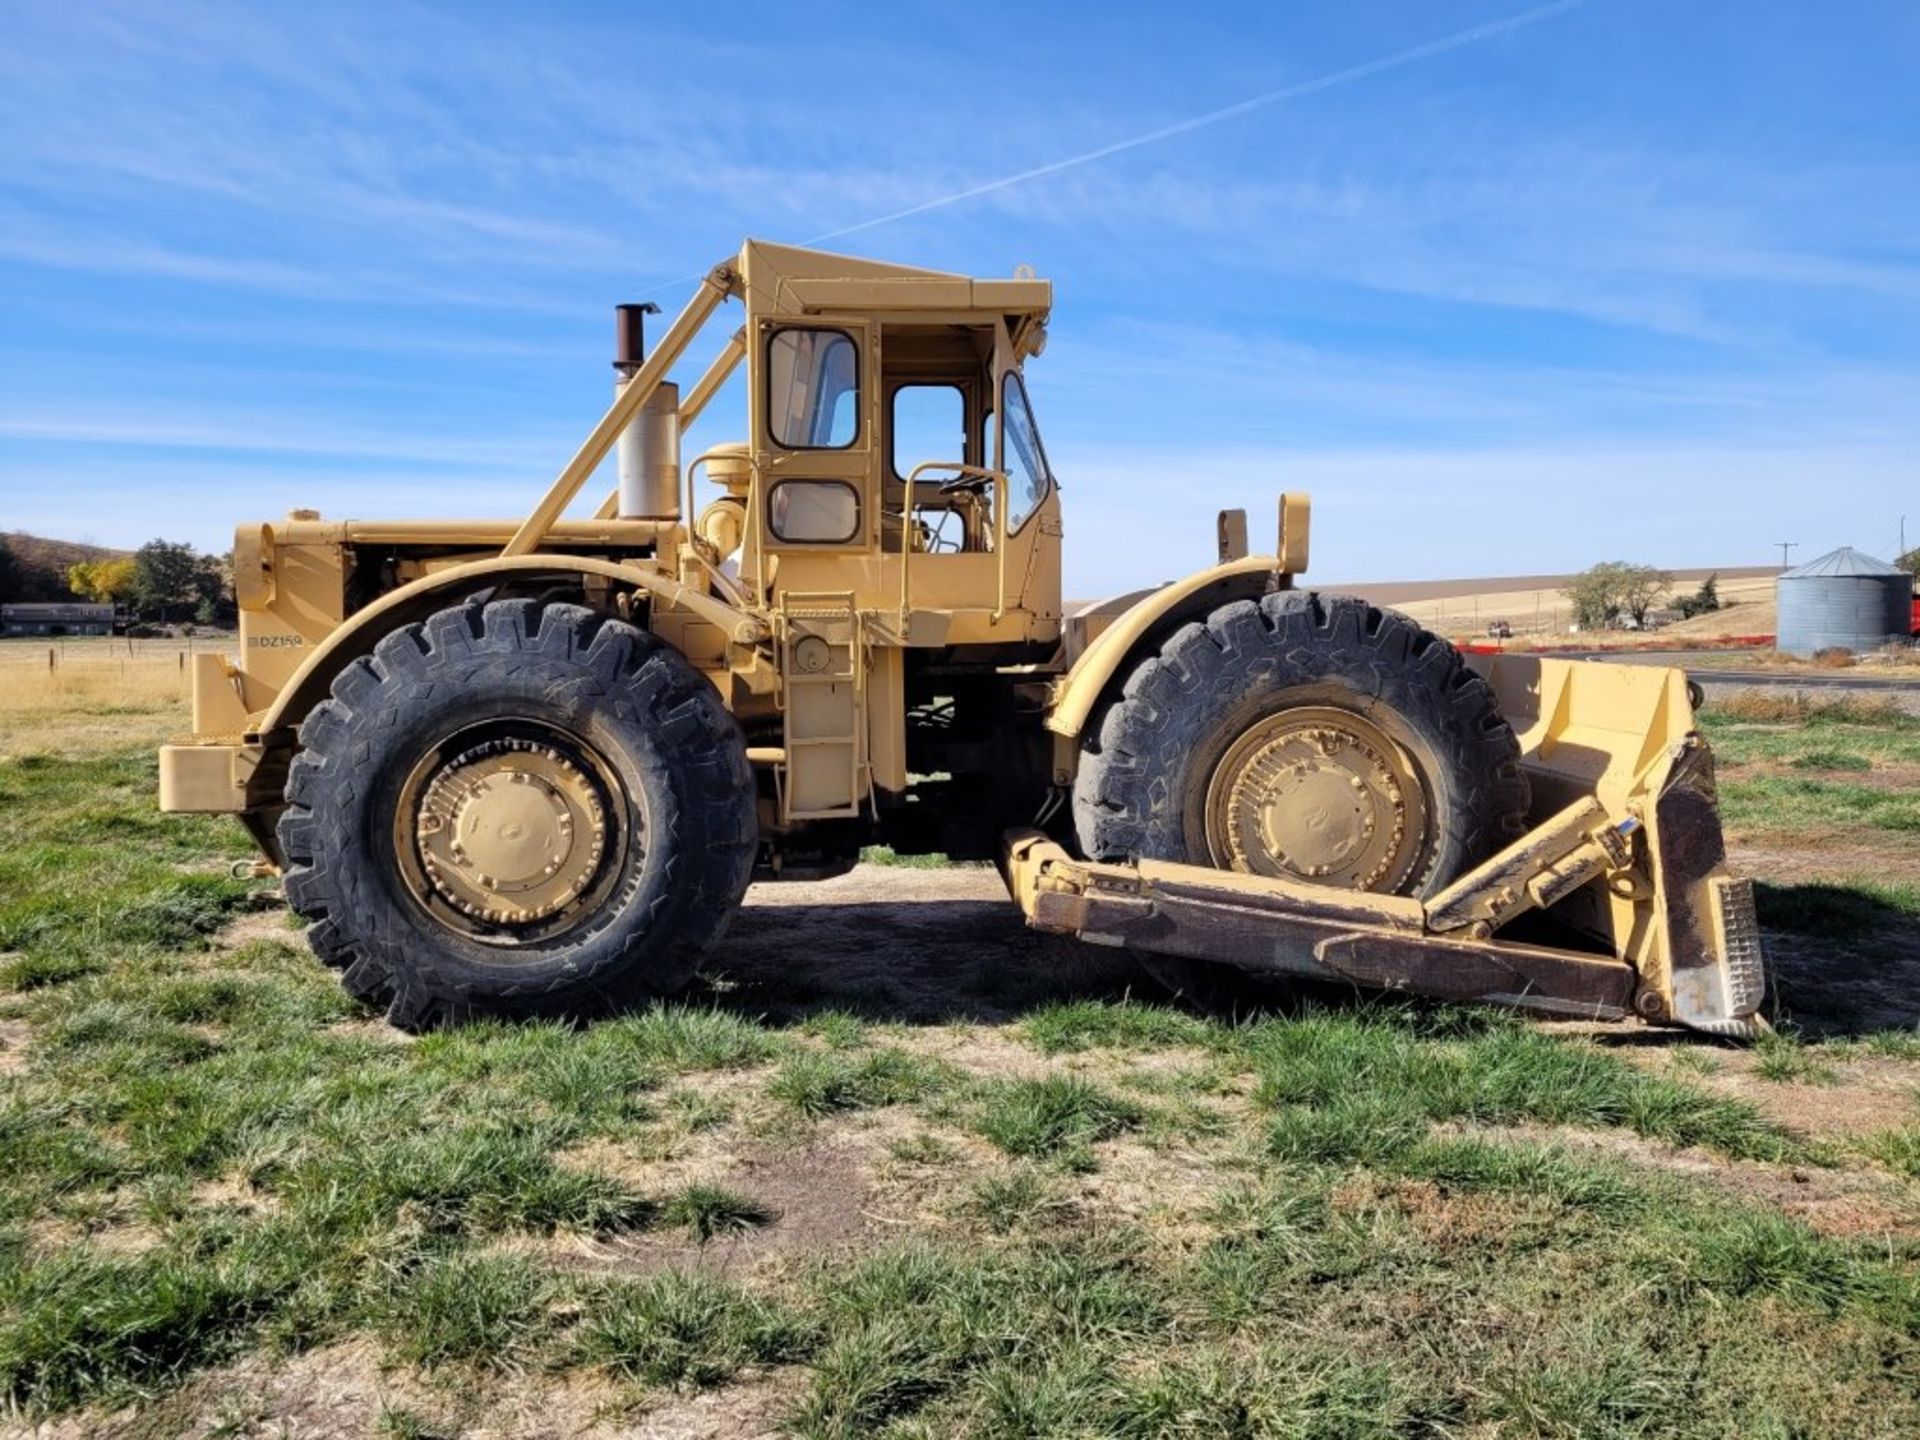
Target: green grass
column 1371, row 1221
column 1897, row 1149
column 1058, row 1118
column 1100, row 1024
column 464, row 1306
column 1829, row 742
column 887, row 855
column 707, row 1212
column 1824, row 759
column 680, row 1329
column 818, row 1084
column 1352, row 1082
column 1854, row 910
column 1792, row 801
column 1782, row 1058
column 1011, row 1199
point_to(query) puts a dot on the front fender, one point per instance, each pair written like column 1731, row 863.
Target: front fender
column 365, row 628
column 1078, row 692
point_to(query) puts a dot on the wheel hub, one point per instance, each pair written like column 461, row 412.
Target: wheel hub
column 1317, row 794
column 511, row 831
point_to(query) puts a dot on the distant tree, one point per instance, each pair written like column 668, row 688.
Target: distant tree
column 1641, row 587
column 165, row 580
column 10, row 572
column 1591, row 595
column 1910, row 561
column 1612, row 589
column 1703, row 601
column 213, row 588
column 105, row 582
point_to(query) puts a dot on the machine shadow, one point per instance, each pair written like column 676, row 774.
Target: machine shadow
column 916, row 961
column 1843, row 961
column 922, row 961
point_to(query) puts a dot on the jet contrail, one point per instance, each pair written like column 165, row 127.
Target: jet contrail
column 1300, row 91
column 1333, row 80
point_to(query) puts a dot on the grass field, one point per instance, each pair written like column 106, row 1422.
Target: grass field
column 232, row 1204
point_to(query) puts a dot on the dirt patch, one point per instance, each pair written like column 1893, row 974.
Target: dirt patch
column 1814, row 855
column 1865, row 1096
column 820, row 1198
column 265, row 919
column 233, row 1195
column 342, row 1391
column 16, row 1039
column 377, row 1031
column 982, row 1052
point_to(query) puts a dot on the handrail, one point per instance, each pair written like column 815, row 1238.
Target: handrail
column 999, row 478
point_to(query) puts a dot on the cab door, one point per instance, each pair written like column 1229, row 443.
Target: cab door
column 815, row 437
column 815, row 434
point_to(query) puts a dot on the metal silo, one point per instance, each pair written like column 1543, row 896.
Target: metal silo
column 1843, row 600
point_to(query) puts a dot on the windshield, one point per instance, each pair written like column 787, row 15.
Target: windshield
column 1028, row 478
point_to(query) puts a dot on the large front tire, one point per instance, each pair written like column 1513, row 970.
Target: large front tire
column 1309, row 737
column 521, row 808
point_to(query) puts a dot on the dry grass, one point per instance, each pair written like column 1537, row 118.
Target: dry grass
column 141, row 684
column 1797, row 707
column 61, row 676
column 1543, row 614
column 86, row 697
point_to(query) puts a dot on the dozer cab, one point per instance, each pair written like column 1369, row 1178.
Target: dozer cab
column 530, row 766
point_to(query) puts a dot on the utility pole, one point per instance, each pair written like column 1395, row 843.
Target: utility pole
column 1785, row 546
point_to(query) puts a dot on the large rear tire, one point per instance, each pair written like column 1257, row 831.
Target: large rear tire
column 1310, row 737
column 521, row 808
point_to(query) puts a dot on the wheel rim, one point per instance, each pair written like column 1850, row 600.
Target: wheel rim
column 1320, row 794
column 509, row 833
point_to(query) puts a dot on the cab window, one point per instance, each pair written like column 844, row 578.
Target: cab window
column 813, row 389
column 1028, row 478
column 814, row 512
column 928, row 422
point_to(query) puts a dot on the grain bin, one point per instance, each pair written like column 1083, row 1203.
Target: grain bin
column 1843, row 600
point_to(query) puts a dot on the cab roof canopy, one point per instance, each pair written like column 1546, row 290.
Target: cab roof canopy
column 786, row 280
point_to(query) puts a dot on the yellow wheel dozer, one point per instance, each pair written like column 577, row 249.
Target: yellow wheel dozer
column 528, row 765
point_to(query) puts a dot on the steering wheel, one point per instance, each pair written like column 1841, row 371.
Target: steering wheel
column 964, row 484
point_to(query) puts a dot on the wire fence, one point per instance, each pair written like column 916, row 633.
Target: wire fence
column 39, row 672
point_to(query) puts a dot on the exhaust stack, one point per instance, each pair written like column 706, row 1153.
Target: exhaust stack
column 648, row 450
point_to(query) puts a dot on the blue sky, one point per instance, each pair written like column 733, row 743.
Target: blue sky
column 1632, row 278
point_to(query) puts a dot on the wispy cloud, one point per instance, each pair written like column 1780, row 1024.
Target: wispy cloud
column 285, row 435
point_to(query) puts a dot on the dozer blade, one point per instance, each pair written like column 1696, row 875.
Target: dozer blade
column 1625, row 861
